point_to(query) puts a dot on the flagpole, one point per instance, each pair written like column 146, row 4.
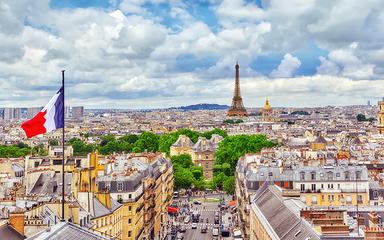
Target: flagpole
column 63, row 173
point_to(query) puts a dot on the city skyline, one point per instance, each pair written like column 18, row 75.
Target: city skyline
column 159, row 54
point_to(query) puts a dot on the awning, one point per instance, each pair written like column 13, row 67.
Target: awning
column 173, row 210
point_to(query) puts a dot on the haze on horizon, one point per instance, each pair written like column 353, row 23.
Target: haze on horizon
column 155, row 53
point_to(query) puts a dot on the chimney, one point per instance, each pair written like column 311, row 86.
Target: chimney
column 104, row 198
column 16, row 220
column 373, row 219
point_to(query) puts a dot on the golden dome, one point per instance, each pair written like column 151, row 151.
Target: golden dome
column 267, row 106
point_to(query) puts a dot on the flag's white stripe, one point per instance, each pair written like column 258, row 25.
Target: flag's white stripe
column 50, row 115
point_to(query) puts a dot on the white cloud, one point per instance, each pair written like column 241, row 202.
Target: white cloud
column 289, row 64
column 128, row 56
column 327, row 67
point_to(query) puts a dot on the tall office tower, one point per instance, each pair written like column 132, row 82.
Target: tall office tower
column 12, row 113
column 67, row 112
column 31, row 112
column 77, row 112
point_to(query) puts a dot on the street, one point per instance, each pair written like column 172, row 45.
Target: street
column 206, row 208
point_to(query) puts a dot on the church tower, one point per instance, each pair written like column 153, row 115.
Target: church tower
column 267, row 112
column 380, row 122
column 237, row 107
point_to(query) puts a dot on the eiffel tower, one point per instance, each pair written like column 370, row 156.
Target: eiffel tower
column 237, row 108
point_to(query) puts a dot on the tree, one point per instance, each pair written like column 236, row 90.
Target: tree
column 229, row 152
column 107, row 138
column 130, row 138
column 183, row 178
column 53, row 142
column 218, row 131
column 147, row 141
column 183, row 160
column 229, row 185
column 361, row 117
column 80, row 148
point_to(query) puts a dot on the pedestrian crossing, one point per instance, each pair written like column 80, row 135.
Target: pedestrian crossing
column 204, row 210
column 200, row 225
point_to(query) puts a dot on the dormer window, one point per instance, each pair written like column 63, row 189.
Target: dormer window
column 358, row 175
column 302, row 175
column 347, row 176
column 119, row 186
column 313, row 175
column 330, row 175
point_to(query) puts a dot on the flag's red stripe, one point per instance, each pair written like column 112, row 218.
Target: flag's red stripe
column 35, row 126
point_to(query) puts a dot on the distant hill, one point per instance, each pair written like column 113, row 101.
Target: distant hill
column 202, row 106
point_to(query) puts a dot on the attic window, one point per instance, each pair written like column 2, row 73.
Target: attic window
column 119, row 186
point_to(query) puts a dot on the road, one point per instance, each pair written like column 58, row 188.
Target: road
column 207, row 211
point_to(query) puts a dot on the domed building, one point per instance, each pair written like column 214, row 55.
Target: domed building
column 267, row 112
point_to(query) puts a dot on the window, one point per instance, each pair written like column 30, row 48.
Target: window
column 348, row 199
column 262, row 174
column 338, row 174
column 129, row 208
column 120, row 186
column 338, row 186
column 358, row 175
column 206, row 165
column 313, row 187
column 322, row 186
column 330, row 175
column 270, row 174
column 129, row 220
column 108, row 186
column 129, row 233
column 129, row 196
column 302, row 187
column 314, row 199
column 313, row 175
column 359, row 198
column 347, row 176
column 375, row 194
column 302, row 175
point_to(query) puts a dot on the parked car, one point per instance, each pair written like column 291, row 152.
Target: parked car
column 204, row 229
column 215, row 232
column 180, row 236
column 182, row 229
column 197, row 202
column 194, row 225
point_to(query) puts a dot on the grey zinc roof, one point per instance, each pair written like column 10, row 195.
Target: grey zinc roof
column 183, row 141
column 47, row 185
column 203, row 144
column 278, row 217
column 8, row 232
column 17, row 168
column 100, row 210
column 66, row 231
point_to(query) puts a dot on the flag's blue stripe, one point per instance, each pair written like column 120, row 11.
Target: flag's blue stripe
column 59, row 109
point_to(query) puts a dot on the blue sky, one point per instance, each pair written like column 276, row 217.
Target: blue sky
column 160, row 53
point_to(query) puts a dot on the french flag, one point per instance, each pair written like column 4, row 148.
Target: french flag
column 51, row 117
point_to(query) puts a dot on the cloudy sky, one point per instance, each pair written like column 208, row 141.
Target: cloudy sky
column 159, row 53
